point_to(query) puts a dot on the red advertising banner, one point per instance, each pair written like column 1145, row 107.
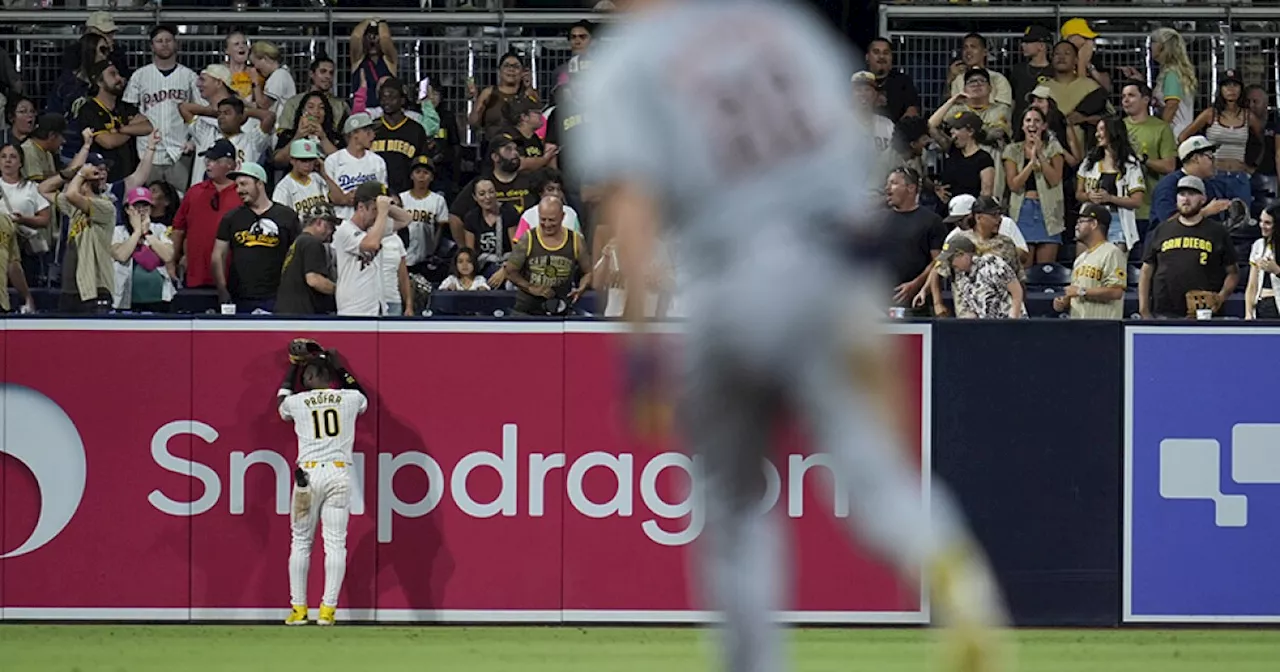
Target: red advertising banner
column 145, row 474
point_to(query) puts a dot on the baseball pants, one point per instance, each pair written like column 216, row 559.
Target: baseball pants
column 331, row 507
column 770, row 332
column 176, row 174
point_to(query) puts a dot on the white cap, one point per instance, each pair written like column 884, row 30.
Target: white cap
column 960, row 207
column 1193, row 144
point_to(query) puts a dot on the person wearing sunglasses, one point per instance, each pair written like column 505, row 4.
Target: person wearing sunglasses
column 195, row 227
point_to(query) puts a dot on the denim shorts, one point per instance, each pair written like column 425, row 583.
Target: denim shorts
column 1031, row 223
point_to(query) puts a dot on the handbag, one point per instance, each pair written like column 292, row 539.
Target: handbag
column 146, row 258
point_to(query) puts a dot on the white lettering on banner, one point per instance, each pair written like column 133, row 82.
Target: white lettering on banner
column 389, row 505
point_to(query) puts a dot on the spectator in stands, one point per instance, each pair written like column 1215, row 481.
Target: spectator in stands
column 542, row 265
column 256, row 237
column 1112, row 176
column 1186, row 254
column 910, row 138
column 74, row 82
column 1068, row 136
column 1196, row 154
column 1100, row 274
column 356, row 243
column 1152, row 141
column 973, row 56
column 164, row 202
column 428, row 214
column 141, row 249
column 1035, row 70
column 443, row 143
column 1176, row 85
column 1260, row 299
column 534, row 154
column 277, row 85
column 489, row 229
column 397, row 138
column 206, row 203
column 976, row 98
column 980, row 220
column 1263, row 162
column 20, row 115
column 116, row 124
column 464, row 278
column 1080, row 98
column 87, row 272
column 491, row 107
column 250, row 136
column 11, row 268
column 896, row 95
column 913, row 235
column 1084, row 39
column 42, row 152
column 373, row 58
column 580, row 35
column 1034, row 165
column 511, row 186
column 985, row 286
column 30, row 215
column 242, row 75
column 1230, row 126
column 548, row 183
column 397, row 290
column 353, row 165
column 564, row 124
column 302, row 190
column 305, row 280
column 157, row 89
column 969, row 169
column 322, row 73
column 213, row 85
column 312, row 120
column 864, row 102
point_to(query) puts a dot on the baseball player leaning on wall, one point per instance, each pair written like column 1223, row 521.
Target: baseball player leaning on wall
column 324, row 418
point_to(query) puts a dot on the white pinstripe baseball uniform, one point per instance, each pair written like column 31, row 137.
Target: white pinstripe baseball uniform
column 157, row 95
column 325, row 422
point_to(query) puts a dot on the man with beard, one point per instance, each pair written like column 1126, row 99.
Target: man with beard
column 157, row 89
column 87, row 269
column 322, row 71
column 512, row 186
column 913, row 235
column 115, row 123
column 258, row 236
column 397, row 138
column 1100, row 274
column 1186, row 254
column 896, row 95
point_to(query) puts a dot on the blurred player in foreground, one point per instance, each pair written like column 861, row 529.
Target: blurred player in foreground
column 729, row 122
column 324, row 418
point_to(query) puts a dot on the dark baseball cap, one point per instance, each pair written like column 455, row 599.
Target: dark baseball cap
column 1230, row 76
column 49, row 123
column 1097, row 212
column 95, row 159
column 987, row 205
column 222, row 149
column 496, row 144
column 1037, row 33
column 965, row 119
column 424, row 163
column 368, row 192
column 977, row 72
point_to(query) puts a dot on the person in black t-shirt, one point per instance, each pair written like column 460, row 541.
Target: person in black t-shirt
column 510, row 185
column 305, row 282
column 969, row 169
column 257, row 236
column 1184, row 254
column 913, row 235
column 534, row 155
column 1027, row 75
column 397, row 138
column 116, row 124
column 490, row 229
column 896, row 95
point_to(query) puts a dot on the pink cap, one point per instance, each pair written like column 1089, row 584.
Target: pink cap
column 138, row 195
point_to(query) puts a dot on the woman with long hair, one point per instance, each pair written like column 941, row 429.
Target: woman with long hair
column 1034, row 164
column 313, row 119
column 1230, row 126
column 242, row 74
column 73, row 83
column 20, row 199
column 1260, row 299
column 1174, row 94
column 1111, row 175
column 493, row 103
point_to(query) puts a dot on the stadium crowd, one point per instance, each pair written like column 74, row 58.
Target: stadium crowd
column 125, row 189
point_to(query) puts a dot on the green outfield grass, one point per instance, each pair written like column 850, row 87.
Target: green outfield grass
column 95, row 648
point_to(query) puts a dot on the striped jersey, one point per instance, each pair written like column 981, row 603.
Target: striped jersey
column 1103, row 266
column 157, row 94
column 308, row 196
column 325, row 422
column 428, row 216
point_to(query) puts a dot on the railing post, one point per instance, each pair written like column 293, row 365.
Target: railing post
column 1229, row 42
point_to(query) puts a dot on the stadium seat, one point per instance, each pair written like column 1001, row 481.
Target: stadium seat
column 1048, row 275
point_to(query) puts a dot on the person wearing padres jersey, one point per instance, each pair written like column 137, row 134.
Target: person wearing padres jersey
column 428, row 214
column 324, row 420
column 397, row 138
column 864, row 92
column 302, row 189
column 357, row 242
column 158, row 89
column 1100, row 275
column 115, row 123
column 777, row 136
column 354, row 164
column 1187, row 253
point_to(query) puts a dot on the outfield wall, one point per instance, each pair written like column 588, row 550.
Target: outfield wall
column 145, row 475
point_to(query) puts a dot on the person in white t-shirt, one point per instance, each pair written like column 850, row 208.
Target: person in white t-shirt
column 397, row 291
column 279, row 86
column 548, row 183
column 357, row 242
column 464, row 278
column 20, row 199
column 204, row 117
column 427, row 210
column 354, row 165
column 303, row 189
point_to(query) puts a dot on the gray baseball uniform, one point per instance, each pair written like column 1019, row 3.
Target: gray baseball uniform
column 737, row 115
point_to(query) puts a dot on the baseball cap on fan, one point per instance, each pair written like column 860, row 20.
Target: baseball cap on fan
column 1036, row 33
column 249, row 169
column 1191, row 182
column 219, row 72
column 221, row 149
column 356, row 122
column 138, row 195
column 101, row 23
column 1194, row 145
column 1079, row 27
column 304, row 148
column 368, row 192
column 961, row 206
column 955, row 247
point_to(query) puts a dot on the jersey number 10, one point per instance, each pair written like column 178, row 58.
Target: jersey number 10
column 325, row 423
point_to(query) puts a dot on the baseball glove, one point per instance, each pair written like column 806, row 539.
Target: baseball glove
column 302, row 350
column 1200, row 300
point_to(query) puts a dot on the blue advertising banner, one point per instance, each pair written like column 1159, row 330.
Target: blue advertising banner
column 1202, row 475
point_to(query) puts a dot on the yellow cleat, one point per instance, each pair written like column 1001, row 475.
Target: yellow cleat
column 968, row 604
column 298, row 616
column 328, row 615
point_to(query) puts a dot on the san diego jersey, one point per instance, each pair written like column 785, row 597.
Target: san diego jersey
column 325, row 422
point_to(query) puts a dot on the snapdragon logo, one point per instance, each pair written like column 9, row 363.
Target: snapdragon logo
column 37, row 433
column 661, row 519
column 1189, row 469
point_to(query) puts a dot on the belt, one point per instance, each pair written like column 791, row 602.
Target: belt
column 312, row 465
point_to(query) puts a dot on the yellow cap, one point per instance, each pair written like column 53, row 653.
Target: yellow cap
column 1077, row 27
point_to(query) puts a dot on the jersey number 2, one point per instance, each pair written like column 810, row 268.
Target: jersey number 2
column 325, row 423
